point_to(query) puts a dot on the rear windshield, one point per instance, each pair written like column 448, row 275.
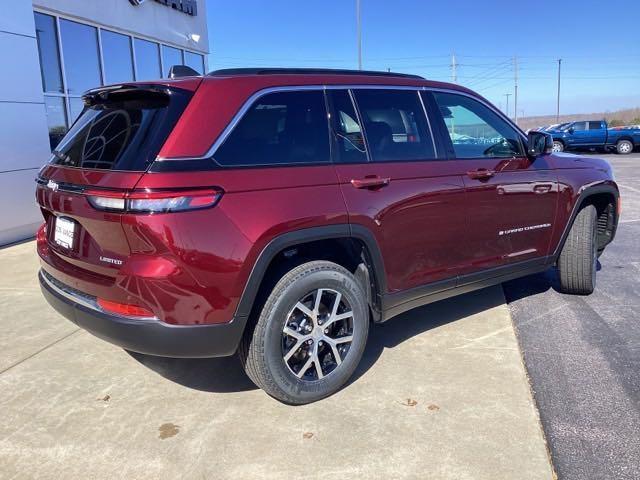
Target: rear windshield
column 122, row 130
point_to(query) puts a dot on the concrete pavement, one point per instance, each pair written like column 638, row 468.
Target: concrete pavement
column 441, row 393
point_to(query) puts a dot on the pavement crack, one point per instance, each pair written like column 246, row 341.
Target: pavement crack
column 39, row 351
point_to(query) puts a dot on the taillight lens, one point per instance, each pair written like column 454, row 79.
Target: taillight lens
column 150, row 201
column 124, row 309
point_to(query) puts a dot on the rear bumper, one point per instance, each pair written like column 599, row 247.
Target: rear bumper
column 149, row 336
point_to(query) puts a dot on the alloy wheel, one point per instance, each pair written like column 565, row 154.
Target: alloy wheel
column 317, row 334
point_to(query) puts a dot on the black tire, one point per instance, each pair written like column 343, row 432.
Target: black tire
column 558, row 146
column 579, row 256
column 624, row 147
column 262, row 348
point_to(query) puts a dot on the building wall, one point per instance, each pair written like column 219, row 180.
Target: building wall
column 150, row 19
column 24, row 139
column 24, row 132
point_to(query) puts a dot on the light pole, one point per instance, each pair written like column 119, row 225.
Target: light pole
column 359, row 28
column 558, row 104
column 515, row 88
column 507, row 95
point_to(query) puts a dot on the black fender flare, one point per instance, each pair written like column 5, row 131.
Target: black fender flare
column 306, row 235
column 604, row 186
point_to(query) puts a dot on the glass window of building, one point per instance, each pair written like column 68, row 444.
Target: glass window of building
column 116, row 57
column 56, row 119
column 47, row 37
column 147, row 60
column 194, row 61
column 76, row 105
column 170, row 57
column 80, row 54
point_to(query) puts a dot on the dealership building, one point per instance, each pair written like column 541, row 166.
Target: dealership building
column 52, row 51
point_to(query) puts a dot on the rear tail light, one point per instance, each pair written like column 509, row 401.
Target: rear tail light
column 124, row 309
column 154, row 201
column 41, row 234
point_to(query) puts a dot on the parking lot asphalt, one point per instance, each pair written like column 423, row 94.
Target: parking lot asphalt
column 583, row 353
column 441, row 393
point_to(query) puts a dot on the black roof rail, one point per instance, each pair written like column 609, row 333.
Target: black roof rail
column 306, row 71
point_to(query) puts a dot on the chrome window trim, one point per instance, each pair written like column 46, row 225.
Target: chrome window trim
column 292, row 88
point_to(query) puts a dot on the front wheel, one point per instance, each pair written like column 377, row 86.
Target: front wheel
column 310, row 335
column 624, row 147
column 579, row 256
column 558, row 146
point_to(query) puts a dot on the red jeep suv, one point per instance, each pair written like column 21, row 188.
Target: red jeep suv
column 276, row 212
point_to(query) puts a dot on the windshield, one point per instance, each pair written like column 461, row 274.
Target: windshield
column 122, row 131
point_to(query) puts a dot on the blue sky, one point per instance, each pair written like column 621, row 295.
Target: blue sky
column 598, row 42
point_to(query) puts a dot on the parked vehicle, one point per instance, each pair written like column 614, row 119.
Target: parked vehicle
column 277, row 213
column 555, row 126
column 594, row 134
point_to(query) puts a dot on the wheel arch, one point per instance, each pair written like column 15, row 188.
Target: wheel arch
column 273, row 260
column 600, row 195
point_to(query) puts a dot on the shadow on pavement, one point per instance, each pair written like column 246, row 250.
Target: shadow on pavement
column 226, row 374
column 220, row 375
column 419, row 320
column 534, row 284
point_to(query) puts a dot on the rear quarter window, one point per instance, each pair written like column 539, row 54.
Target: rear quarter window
column 123, row 131
column 281, row 128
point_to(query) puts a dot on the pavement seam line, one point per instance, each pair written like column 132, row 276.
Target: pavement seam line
column 19, row 362
column 532, row 396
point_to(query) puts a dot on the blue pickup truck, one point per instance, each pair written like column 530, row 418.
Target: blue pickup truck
column 594, row 134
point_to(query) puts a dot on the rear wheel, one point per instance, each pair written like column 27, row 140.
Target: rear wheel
column 310, row 335
column 579, row 256
column 558, row 146
column 624, row 147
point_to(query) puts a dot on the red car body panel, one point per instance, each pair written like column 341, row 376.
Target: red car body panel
column 432, row 222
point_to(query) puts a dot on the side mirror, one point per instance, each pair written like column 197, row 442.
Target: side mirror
column 571, row 130
column 539, row 143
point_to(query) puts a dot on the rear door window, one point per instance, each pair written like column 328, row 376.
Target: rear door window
column 475, row 130
column 595, row 126
column 278, row 129
column 395, row 125
column 123, row 131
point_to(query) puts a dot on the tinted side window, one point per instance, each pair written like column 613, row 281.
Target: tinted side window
column 395, row 125
column 279, row 128
column 579, row 126
column 475, row 130
column 595, row 126
column 347, row 133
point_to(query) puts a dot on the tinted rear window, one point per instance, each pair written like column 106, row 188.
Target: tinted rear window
column 279, row 128
column 123, row 132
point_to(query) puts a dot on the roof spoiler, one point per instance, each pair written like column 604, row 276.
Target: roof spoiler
column 179, row 71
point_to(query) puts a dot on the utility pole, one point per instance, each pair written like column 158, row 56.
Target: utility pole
column 558, row 105
column 515, row 88
column 507, row 95
column 359, row 28
column 454, row 68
